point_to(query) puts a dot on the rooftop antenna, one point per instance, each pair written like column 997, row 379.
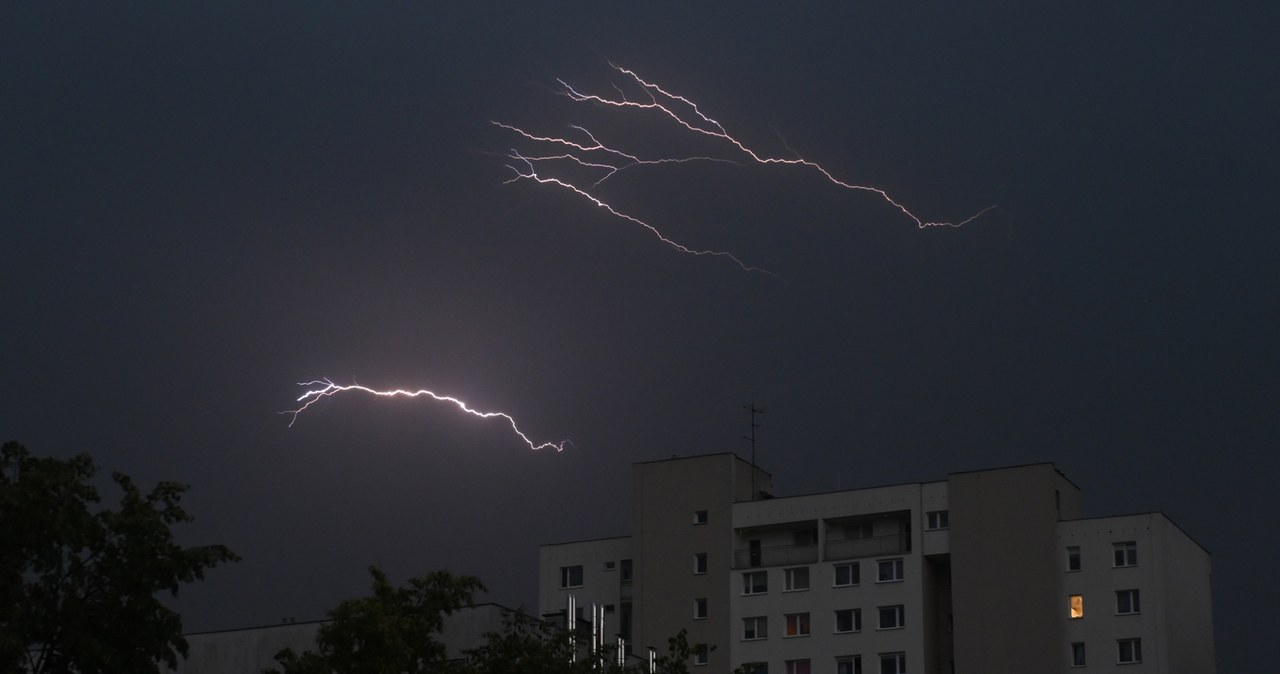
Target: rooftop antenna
column 754, row 411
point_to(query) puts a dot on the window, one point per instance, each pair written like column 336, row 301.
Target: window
column 700, row 562
column 1130, row 651
column 893, row 663
column 797, row 667
column 624, row 576
column 849, row 664
column 1126, row 553
column 700, row 608
column 797, row 624
column 890, row 570
column 1075, row 604
column 756, row 667
column 795, row 579
column 1073, row 558
column 755, row 582
column 1127, row 602
column 609, row 566
column 892, row 617
column 847, row 574
column 938, row 519
column 755, row 628
column 571, row 576
column 701, row 655
column 849, row 620
column 699, row 517
column 1077, row 654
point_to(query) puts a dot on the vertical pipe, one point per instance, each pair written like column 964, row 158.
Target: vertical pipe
column 622, row 652
column 653, row 661
column 571, row 626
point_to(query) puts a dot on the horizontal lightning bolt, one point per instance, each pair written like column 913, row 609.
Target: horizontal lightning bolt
column 326, row 388
column 609, row 160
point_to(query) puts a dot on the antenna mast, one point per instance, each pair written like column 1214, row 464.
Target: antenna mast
column 754, row 411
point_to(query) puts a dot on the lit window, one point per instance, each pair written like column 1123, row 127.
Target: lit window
column 938, row 519
column 1073, row 558
column 847, row 574
column 755, row 628
column 795, row 579
column 700, row 608
column 849, row 664
column 1076, row 604
column 1130, row 650
column 1126, row 553
column 849, row 620
column 797, row 624
column 699, row 517
column 892, row 617
column 755, row 582
column 701, row 654
column 890, row 570
column 893, row 663
column 700, row 563
column 1077, row 654
column 571, row 576
column 797, row 667
column 1127, row 602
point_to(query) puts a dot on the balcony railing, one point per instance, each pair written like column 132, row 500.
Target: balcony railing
column 893, row 544
column 775, row 556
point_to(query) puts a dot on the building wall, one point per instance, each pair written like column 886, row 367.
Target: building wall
column 1006, row 600
column 600, row 584
column 666, row 496
column 1172, row 576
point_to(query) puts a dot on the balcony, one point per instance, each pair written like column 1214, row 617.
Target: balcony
column 893, row 544
column 781, row 555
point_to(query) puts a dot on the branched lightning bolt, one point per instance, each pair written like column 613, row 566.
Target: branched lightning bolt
column 327, row 388
column 609, row 160
column 531, row 174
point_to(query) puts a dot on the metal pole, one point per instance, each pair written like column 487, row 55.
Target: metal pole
column 571, row 624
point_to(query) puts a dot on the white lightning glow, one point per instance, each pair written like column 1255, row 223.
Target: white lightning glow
column 609, row 159
column 324, row 388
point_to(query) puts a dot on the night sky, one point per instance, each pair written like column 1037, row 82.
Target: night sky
column 202, row 204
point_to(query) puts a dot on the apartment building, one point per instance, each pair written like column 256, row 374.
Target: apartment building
column 986, row 571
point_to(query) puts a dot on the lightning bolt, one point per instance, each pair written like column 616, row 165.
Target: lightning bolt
column 324, row 388
column 609, row 160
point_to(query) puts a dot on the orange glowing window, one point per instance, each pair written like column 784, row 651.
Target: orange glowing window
column 1077, row 606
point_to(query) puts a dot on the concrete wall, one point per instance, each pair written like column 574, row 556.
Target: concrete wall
column 1004, row 563
column 600, row 584
column 665, row 538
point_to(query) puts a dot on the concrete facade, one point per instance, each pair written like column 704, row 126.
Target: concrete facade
column 971, row 574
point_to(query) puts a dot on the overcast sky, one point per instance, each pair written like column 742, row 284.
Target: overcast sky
column 202, row 204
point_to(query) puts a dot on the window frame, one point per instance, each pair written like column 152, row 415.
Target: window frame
column 899, row 660
column 1134, row 601
column 700, row 563
column 700, row 608
column 1124, row 554
column 794, row 666
column 855, row 621
column 899, row 613
column 854, row 662
column 896, row 565
column 701, row 655
column 1135, row 651
column 566, row 577
column 855, row 574
column 789, row 576
column 760, row 624
column 1079, row 655
column 764, row 587
column 1073, row 558
column 1075, row 607
column 800, row 622
column 937, row 520
column 700, row 517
